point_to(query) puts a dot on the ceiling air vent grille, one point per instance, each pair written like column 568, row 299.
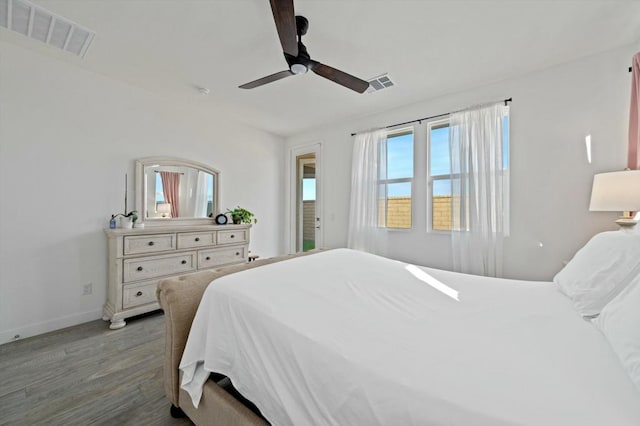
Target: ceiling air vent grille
column 379, row 83
column 39, row 24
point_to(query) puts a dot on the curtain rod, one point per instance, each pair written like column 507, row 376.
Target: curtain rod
column 420, row 120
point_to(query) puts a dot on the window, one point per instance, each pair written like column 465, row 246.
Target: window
column 396, row 179
column 440, row 175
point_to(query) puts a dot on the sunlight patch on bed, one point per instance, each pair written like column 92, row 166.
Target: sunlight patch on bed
column 433, row 282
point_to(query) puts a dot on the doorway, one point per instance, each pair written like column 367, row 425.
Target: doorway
column 306, row 217
column 306, row 201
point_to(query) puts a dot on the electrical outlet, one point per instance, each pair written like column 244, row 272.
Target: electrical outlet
column 87, row 289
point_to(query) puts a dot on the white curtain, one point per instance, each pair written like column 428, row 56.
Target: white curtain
column 367, row 207
column 478, row 187
column 200, row 195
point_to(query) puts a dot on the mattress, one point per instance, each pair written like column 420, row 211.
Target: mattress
column 348, row 338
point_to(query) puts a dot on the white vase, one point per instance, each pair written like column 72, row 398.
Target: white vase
column 126, row 223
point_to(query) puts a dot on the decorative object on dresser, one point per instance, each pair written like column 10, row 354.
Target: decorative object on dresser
column 127, row 220
column 240, row 215
column 139, row 258
column 222, row 219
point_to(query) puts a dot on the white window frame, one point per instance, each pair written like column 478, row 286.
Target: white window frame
column 411, row 180
column 431, row 178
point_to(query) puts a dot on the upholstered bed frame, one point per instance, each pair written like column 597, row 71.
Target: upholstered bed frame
column 179, row 297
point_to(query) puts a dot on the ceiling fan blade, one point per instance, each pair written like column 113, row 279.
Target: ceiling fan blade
column 340, row 77
column 268, row 79
column 285, row 18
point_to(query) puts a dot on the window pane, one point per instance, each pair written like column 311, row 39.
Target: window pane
column 308, row 189
column 441, row 205
column 159, row 189
column 439, row 151
column 399, row 205
column 445, row 207
column 400, row 156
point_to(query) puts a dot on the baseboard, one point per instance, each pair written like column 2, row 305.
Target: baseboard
column 47, row 326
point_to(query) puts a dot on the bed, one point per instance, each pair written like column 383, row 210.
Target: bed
column 342, row 337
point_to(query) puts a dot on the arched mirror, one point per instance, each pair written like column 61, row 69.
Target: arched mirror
column 171, row 190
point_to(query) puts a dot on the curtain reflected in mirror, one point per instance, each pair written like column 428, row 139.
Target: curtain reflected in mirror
column 187, row 194
column 179, row 192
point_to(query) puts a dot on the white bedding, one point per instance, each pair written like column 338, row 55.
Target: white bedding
column 347, row 338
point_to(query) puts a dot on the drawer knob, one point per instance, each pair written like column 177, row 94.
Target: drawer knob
column 197, row 239
column 139, row 268
column 138, row 294
column 232, row 236
column 207, row 258
column 237, row 253
column 184, row 262
column 150, row 243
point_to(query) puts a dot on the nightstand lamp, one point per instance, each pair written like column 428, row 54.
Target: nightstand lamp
column 617, row 191
column 164, row 209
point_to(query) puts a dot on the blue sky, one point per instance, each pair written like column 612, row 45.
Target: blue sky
column 400, row 160
column 309, row 189
column 400, row 163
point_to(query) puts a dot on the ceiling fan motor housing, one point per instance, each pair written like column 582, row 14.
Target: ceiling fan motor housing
column 302, row 63
column 302, row 25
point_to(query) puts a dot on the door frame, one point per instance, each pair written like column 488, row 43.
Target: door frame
column 292, row 166
column 300, row 206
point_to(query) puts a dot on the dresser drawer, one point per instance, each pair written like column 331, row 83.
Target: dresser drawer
column 222, row 256
column 196, row 239
column 236, row 236
column 140, row 244
column 144, row 268
column 139, row 294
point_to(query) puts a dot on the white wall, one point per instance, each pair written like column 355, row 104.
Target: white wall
column 551, row 113
column 67, row 137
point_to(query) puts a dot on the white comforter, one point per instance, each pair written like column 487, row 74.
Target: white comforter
column 347, row 338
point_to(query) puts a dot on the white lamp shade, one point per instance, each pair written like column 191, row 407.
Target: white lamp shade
column 164, row 208
column 616, row 191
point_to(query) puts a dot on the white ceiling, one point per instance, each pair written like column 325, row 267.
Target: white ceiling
column 429, row 48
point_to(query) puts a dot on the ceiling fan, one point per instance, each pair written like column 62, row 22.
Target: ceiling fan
column 291, row 28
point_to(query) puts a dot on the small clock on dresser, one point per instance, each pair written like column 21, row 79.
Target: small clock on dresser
column 222, row 219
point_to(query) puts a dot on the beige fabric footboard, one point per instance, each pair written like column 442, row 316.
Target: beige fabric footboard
column 179, row 297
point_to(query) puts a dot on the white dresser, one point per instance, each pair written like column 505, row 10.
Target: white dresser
column 139, row 258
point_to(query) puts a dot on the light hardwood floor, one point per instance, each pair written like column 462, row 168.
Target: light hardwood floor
column 87, row 375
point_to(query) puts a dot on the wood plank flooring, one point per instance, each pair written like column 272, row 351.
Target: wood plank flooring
column 87, row 375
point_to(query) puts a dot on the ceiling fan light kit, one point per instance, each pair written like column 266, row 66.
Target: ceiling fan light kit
column 299, row 69
column 290, row 29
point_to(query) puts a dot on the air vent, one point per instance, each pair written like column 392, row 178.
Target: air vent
column 39, row 24
column 379, row 83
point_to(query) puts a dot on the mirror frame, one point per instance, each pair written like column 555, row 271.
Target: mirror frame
column 178, row 162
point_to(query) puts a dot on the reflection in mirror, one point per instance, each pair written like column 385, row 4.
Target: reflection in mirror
column 176, row 189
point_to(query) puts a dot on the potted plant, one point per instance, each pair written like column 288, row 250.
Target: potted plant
column 240, row 215
column 127, row 219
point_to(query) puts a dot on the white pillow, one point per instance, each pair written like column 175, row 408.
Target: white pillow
column 620, row 323
column 600, row 270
